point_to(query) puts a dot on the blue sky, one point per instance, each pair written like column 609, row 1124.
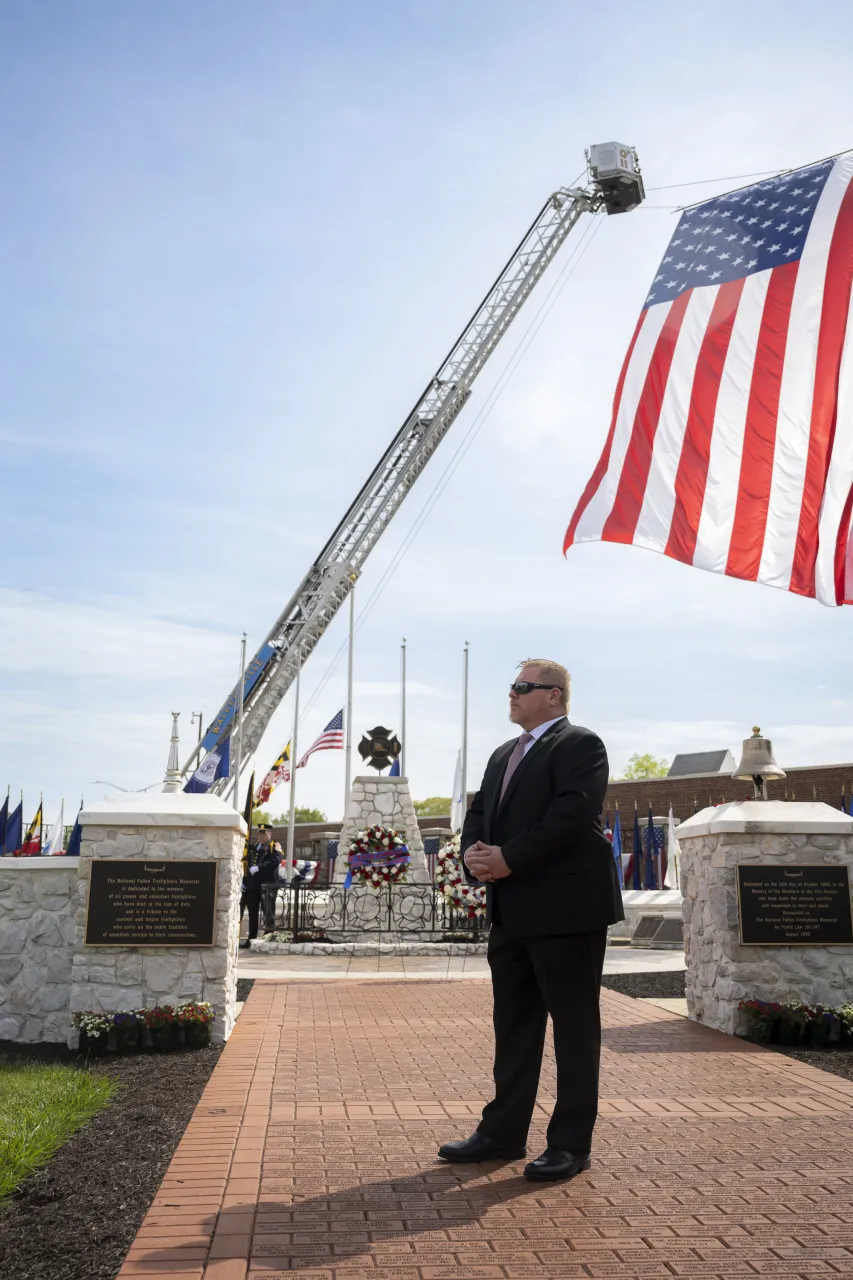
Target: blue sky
column 237, row 240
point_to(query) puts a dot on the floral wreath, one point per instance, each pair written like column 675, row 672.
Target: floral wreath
column 377, row 856
column 450, row 878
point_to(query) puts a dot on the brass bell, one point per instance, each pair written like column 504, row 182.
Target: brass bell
column 757, row 763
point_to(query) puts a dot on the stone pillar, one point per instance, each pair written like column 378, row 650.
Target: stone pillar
column 387, row 802
column 37, row 913
column 163, row 827
column 721, row 972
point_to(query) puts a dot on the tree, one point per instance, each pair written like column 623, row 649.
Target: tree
column 433, row 807
column 645, row 766
column 301, row 814
column 304, row 814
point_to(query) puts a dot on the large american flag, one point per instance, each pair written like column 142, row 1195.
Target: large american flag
column 731, row 442
column 331, row 739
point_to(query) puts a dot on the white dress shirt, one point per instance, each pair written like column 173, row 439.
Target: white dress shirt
column 537, row 733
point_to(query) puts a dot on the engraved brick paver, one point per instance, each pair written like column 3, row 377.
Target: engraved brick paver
column 312, row 1152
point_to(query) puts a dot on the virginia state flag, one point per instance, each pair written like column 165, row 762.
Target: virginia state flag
column 216, row 764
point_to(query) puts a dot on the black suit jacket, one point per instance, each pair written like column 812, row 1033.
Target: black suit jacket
column 563, row 877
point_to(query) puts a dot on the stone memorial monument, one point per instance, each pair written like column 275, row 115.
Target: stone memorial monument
column 148, row 914
column 383, row 801
column 767, row 905
column 158, row 905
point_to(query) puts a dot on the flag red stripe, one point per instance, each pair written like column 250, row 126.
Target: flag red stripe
column 621, row 524
column 844, row 556
column 692, row 474
column 759, row 438
column 604, row 461
column 833, row 328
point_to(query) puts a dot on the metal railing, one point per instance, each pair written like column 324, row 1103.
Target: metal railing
column 316, row 913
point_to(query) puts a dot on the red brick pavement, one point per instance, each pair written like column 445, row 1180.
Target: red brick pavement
column 312, row 1151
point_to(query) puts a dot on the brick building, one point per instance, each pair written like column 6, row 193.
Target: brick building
column 687, row 793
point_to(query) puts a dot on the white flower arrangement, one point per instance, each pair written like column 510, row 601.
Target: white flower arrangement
column 450, row 878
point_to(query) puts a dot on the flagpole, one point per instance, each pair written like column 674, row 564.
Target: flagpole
column 238, row 753
column 465, row 729
column 403, row 707
column 348, row 748
column 291, row 818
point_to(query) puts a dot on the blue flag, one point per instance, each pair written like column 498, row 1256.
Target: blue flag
column 650, row 880
column 617, row 845
column 14, row 837
column 638, row 852
column 73, row 850
column 394, row 771
column 216, row 764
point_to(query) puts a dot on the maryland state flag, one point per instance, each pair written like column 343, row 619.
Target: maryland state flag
column 31, row 847
column 280, row 772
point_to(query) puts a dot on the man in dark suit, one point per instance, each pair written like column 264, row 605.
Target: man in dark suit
column 534, row 837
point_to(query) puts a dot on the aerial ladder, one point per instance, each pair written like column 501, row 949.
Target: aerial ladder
column 614, row 185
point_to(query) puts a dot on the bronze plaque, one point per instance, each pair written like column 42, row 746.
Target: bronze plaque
column 136, row 903
column 781, row 906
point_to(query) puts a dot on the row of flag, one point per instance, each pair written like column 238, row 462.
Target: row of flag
column 331, row 739
column 16, row 843
column 217, row 762
column 652, row 864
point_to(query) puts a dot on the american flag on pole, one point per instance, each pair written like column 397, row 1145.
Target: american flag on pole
column 280, row 772
column 731, row 442
column 331, row 739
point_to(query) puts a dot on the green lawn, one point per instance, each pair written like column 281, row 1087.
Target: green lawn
column 41, row 1106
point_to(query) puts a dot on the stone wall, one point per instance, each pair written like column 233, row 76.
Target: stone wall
column 165, row 827
column 721, row 972
column 38, row 901
column 107, row 979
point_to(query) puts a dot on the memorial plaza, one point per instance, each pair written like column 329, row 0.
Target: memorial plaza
column 313, row 1148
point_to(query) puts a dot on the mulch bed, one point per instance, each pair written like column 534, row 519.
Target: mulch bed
column 77, row 1217
column 839, row 1062
column 644, row 986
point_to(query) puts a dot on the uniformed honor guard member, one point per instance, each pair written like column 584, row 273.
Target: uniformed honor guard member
column 262, row 862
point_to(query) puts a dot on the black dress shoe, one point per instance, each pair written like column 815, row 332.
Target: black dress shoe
column 479, row 1147
column 554, row 1164
column 245, row 944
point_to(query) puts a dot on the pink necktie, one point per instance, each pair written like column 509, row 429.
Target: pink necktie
column 515, row 760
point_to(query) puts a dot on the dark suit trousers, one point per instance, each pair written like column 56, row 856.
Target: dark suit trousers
column 251, row 899
column 532, row 978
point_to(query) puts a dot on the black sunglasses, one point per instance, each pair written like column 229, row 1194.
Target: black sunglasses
column 524, row 686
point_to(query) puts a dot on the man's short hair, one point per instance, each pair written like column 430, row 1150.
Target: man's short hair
column 555, row 671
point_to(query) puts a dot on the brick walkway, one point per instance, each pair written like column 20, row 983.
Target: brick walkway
column 312, row 1151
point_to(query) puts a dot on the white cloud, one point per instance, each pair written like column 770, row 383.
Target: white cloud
column 114, row 639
